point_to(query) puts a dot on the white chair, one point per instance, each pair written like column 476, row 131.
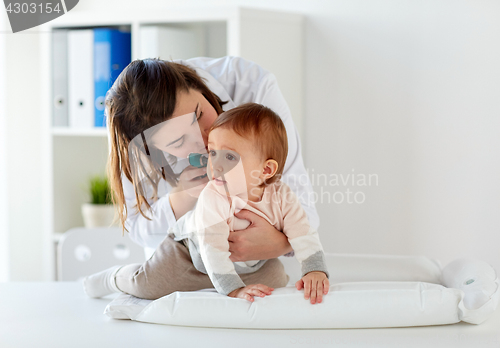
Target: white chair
column 83, row 251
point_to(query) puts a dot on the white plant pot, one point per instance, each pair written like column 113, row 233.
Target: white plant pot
column 97, row 215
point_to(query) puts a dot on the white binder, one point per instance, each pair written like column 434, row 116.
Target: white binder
column 81, row 78
column 60, row 78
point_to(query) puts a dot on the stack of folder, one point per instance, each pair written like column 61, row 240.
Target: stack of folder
column 85, row 64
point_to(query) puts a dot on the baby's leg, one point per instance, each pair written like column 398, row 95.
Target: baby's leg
column 101, row 283
column 170, row 269
column 272, row 274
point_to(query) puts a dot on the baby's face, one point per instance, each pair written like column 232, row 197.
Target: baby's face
column 234, row 162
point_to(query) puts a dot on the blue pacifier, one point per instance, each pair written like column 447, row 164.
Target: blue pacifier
column 198, row 160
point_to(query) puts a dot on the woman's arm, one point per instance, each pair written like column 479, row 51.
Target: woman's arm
column 172, row 204
column 184, row 196
column 180, row 202
column 144, row 232
column 259, row 241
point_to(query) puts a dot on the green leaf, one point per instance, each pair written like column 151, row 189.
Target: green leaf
column 99, row 190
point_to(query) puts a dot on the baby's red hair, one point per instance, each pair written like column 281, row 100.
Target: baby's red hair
column 263, row 126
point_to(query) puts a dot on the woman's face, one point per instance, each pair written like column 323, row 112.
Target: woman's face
column 187, row 130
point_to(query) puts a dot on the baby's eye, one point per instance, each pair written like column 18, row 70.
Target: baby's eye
column 211, row 152
column 230, row 157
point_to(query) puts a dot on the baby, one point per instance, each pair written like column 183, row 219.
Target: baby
column 247, row 149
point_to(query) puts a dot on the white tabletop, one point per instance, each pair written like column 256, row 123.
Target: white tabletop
column 59, row 314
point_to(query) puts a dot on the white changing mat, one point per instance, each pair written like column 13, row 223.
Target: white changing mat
column 393, row 301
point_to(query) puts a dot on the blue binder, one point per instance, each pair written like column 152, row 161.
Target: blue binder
column 112, row 53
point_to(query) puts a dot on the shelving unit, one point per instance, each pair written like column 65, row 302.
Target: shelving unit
column 69, row 132
column 271, row 39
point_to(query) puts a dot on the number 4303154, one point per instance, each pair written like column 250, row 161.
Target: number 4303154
column 32, row 8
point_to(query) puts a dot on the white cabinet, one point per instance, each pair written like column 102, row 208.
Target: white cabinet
column 272, row 39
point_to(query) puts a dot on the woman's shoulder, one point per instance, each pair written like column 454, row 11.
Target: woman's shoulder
column 230, row 68
column 239, row 79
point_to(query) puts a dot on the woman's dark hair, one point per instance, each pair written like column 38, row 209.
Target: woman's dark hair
column 144, row 95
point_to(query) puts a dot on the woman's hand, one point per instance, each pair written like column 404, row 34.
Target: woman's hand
column 192, row 181
column 249, row 291
column 259, row 241
column 183, row 197
column 315, row 285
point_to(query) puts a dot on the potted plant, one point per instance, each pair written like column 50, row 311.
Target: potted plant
column 100, row 212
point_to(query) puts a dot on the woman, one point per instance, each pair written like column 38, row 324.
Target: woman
column 149, row 205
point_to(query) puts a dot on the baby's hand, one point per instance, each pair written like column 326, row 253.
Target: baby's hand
column 249, row 291
column 315, row 285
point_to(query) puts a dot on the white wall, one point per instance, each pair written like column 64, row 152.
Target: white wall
column 4, row 235
column 406, row 90
column 22, row 138
column 409, row 91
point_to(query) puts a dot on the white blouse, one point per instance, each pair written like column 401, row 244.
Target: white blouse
column 237, row 81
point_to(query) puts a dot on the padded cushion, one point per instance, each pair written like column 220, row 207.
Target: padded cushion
column 475, row 278
column 480, row 286
column 349, row 305
column 359, row 304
